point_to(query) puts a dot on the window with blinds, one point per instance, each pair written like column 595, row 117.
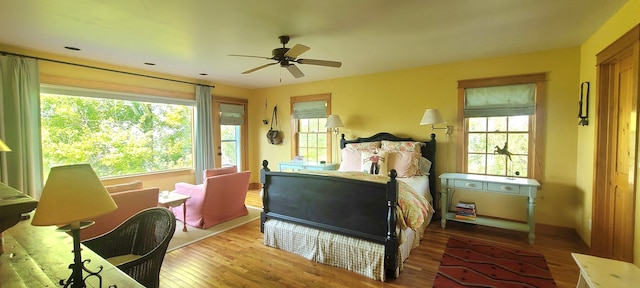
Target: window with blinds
column 501, row 123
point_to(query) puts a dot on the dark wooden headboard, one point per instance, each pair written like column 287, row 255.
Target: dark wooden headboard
column 428, row 151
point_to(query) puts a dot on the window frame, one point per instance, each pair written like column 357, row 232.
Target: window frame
column 295, row 123
column 536, row 123
column 137, row 95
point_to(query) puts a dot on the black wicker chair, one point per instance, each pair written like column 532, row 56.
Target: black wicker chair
column 138, row 245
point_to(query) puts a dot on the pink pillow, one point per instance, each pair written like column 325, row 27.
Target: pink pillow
column 405, row 163
column 220, row 171
column 351, row 158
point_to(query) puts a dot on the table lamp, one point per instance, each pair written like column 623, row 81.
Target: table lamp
column 334, row 122
column 72, row 195
column 4, row 147
column 432, row 117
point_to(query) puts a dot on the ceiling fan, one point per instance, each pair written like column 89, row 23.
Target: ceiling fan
column 286, row 56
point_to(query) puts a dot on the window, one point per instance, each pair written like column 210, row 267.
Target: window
column 308, row 119
column 230, row 132
column 230, row 145
column 502, row 125
column 117, row 134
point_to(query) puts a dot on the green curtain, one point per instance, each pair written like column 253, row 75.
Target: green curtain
column 20, row 124
column 204, row 132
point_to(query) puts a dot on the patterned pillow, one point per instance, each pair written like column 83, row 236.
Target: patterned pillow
column 401, row 145
column 425, row 165
column 364, row 145
column 405, row 163
column 374, row 162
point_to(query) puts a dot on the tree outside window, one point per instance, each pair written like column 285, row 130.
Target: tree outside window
column 117, row 137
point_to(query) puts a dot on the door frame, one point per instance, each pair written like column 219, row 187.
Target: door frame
column 244, row 130
column 601, row 240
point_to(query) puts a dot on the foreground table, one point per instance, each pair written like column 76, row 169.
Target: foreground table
column 40, row 257
column 603, row 272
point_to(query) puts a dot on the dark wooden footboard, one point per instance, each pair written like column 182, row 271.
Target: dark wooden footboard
column 355, row 208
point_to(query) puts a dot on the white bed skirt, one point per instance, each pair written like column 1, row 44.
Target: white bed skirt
column 357, row 255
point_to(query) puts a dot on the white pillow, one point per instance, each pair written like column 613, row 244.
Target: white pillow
column 371, row 157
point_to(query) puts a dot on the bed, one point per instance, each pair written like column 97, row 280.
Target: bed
column 360, row 222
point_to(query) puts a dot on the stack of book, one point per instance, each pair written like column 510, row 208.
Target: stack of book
column 466, row 211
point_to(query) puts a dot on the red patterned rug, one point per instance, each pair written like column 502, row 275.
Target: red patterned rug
column 473, row 263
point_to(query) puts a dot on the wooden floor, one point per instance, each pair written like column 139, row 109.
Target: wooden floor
column 238, row 258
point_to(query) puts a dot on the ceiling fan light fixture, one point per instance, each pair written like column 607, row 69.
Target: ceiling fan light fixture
column 284, row 56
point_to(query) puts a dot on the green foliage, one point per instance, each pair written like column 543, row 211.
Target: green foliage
column 116, row 137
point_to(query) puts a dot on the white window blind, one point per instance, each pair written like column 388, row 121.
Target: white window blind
column 231, row 114
column 311, row 109
column 508, row 100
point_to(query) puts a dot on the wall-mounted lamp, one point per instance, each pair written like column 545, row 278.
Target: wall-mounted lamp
column 432, row 117
column 584, row 117
column 334, row 122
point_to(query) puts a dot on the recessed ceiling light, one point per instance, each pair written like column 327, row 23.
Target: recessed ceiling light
column 203, row 74
column 149, row 63
column 72, row 48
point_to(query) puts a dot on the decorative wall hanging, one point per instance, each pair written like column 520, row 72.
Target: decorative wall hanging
column 583, row 110
column 274, row 136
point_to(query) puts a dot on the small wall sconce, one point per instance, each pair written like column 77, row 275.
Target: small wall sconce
column 432, row 117
column 583, row 110
column 334, row 122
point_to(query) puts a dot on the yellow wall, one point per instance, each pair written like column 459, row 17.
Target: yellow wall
column 625, row 19
column 395, row 101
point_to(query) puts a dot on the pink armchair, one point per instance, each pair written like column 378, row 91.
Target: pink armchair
column 220, row 198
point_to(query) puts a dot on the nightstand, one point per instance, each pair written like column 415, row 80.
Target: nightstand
column 299, row 165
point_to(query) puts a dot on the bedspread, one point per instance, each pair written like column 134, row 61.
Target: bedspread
column 414, row 208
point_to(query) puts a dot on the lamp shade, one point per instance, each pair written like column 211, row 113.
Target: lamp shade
column 334, row 121
column 431, row 116
column 4, row 147
column 72, row 194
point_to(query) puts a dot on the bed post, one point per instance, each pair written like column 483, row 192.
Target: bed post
column 391, row 244
column 265, row 194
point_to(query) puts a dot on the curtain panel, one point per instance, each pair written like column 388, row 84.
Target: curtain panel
column 20, row 124
column 204, row 132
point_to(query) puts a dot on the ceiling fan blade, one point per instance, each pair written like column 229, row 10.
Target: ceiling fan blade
column 258, row 68
column 294, row 70
column 320, row 62
column 251, row 56
column 296, row 51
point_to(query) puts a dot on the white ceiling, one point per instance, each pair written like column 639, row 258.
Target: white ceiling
column 188, row 37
